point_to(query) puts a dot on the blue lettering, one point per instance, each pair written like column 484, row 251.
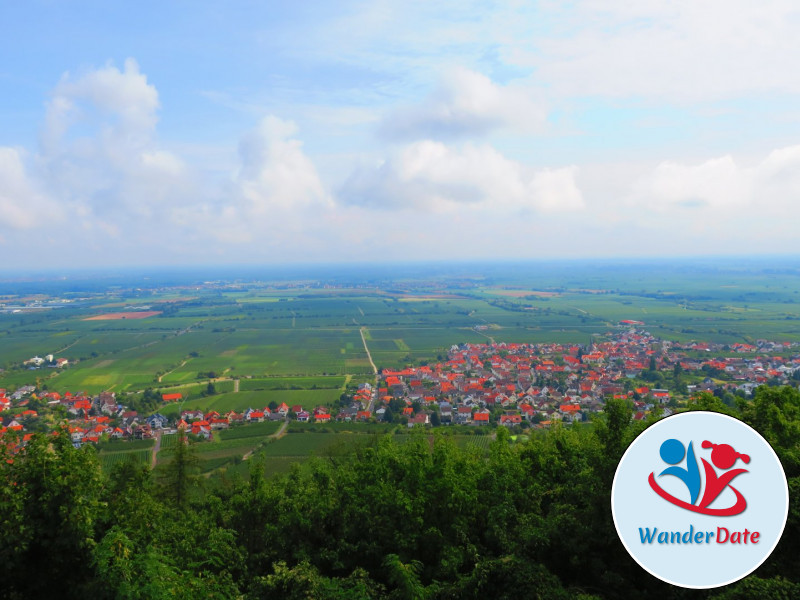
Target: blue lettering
column 647, row 538
column 687, row 537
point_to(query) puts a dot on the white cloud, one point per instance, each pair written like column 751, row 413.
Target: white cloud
column 124, row 94
column 466, row 103
column 430, row 175
column 669, row 51
column 22, row 204
column 771, row 185
column 100, row 154
column 275, row 172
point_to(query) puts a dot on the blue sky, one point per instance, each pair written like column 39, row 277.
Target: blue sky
column 275, row 132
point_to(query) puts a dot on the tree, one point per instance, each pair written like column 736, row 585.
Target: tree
column 50, row 502
column 180, row 475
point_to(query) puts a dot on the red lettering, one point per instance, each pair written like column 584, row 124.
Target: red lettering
column 736, row 537
column 720, row 539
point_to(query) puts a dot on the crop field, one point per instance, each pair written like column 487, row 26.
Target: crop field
column 344, row 427
column 241, row 401
column 300, row 342
column 293, row 383
column 250, row 430
column 109, row 459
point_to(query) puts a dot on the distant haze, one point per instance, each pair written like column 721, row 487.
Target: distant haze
column 280, row 133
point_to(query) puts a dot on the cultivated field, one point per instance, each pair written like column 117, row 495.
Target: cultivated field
column 299, row 341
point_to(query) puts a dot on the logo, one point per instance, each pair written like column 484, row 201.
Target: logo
column 723, row 457
column 699, row 500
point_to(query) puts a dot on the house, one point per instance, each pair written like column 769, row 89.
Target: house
column 303, row 416
column 509, row 420
column 481, row 417
column 202, row 428
column 421, row 418
column 445, row 412
column 219, row 423
column 192, row 415
column 157, row 421
column 323, row 417
column 254, row 416
column 463, row 414
column 171, row 397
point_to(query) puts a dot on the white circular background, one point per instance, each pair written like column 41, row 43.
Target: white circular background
column 635, row 505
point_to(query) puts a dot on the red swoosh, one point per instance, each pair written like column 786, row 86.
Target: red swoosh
column 737, row 508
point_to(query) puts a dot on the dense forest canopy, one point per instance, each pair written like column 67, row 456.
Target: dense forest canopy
column 424, row 519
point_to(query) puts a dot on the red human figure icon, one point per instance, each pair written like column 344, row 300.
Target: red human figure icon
column 724, row 457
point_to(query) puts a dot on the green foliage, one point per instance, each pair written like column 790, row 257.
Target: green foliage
column 393, row 516
column 50, row 502
column 179, row 476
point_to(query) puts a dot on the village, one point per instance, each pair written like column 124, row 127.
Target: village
column 494, row 384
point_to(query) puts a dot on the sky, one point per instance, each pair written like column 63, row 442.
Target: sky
column 248, row 133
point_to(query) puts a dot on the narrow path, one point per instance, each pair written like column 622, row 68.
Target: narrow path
column 366, row 349
column 277, row 435
column 235, row 385
column 486, row 335
column 374, row 370
column 70, row 345
column 173, row 370
column 156, row 448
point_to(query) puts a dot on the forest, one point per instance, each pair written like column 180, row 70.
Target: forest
column 423, row 519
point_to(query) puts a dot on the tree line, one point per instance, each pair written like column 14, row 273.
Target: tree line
column 423, row 519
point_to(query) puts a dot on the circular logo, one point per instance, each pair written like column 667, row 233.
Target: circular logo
column 699, row 499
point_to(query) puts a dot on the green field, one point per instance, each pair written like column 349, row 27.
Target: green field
column 109, row 459
column 241, row 401
column 300, row 344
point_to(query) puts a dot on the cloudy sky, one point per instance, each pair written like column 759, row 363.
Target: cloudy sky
column 273, row 132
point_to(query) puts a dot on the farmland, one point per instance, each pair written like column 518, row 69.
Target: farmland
column 116, row 452
column 297, row 339
column 231, row 343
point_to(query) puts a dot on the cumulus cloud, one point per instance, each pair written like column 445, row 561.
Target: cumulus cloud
column 276, row 196
column 720, row 183
column 100, row 153
column 121, row 102
column 466, row 103
column 275, row 172
column 433, row 176
column 22, row 204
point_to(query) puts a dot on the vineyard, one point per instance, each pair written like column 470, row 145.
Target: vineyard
column 109, row 459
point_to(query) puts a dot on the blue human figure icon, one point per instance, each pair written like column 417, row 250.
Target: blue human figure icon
column 672, row 452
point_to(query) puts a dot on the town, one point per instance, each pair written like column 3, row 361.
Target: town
column 506, row 384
